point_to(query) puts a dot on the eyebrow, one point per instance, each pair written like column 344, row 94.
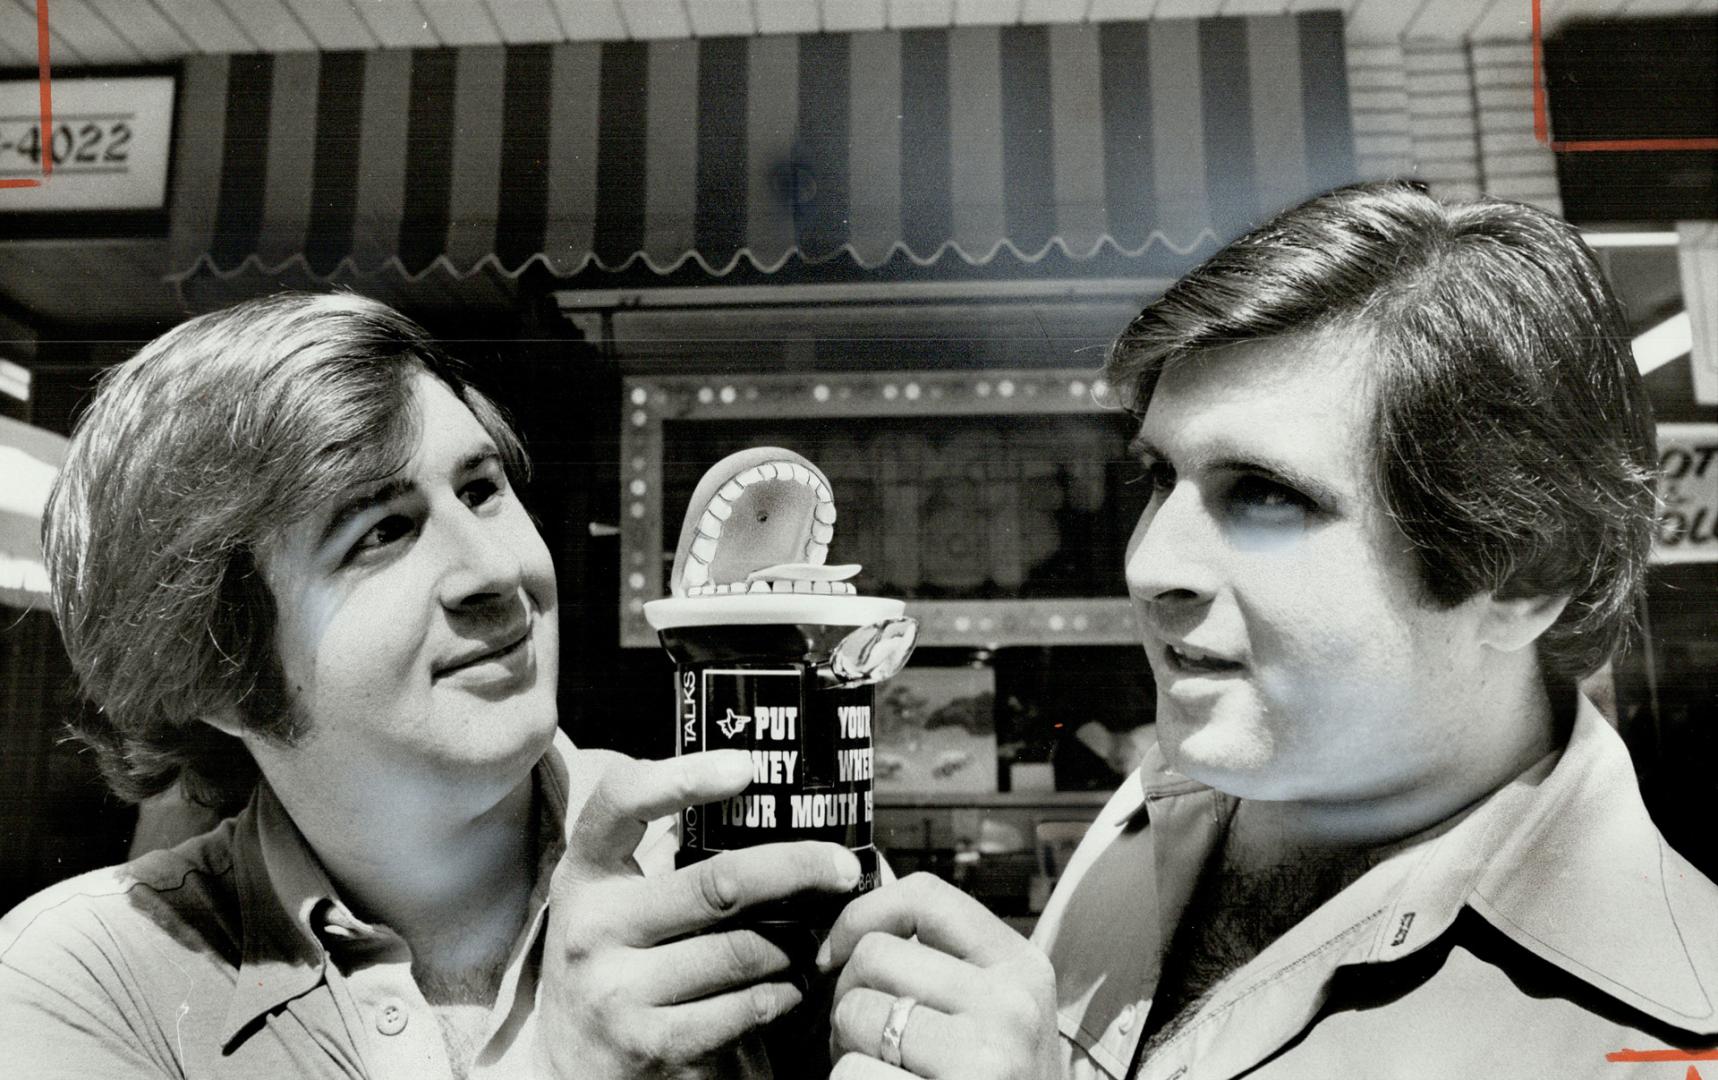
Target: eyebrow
column 478, row 458
column 357, row 504
column 1277, row 471
column 390, row 490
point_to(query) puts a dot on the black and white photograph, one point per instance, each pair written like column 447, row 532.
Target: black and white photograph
column 859, row 539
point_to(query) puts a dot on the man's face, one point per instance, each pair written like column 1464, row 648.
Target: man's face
column 1280, row 606
column 417, row 627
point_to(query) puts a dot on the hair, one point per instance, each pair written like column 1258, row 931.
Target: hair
column 1515, row 442
column 193, row 456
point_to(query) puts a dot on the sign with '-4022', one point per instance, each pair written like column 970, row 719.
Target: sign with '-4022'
column 107, row 143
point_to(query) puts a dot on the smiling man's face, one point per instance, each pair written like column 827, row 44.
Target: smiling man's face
column 417, row 624
column 1283, row 618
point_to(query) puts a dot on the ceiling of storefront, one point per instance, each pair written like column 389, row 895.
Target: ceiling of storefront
column 88, row 32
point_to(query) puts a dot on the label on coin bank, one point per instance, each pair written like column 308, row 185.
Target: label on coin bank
column 810, row 750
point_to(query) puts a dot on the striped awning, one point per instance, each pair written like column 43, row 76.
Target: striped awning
column 975, row 142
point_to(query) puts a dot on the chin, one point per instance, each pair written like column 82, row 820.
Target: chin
column 509, row 736
column 1235, row 758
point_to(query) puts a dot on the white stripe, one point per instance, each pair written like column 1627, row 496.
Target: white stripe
column 1663, row 343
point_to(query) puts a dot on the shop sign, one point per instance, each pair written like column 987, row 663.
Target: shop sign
column 1688, row 484
column 107, row 144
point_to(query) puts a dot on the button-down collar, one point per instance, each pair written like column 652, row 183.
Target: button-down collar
column 1563, row 860
column 292, row 913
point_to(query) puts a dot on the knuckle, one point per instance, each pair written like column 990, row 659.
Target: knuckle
column 610, row 996
column 579, row 943
column 921, row 882
column 744, row 953
column 848, row 1016
column 867, row 958
column 717, row 888
column 762, row 1003
column 682, row 778
column 1018, row 1005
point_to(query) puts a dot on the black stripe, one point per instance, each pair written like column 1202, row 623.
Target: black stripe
column 334, row 174
column 524, row 198
column 719, row 220
column 927, row 213
column 821, row 195
column 429, row 158
column 244, row 159
column 1324, row 101
column 1125, row 85
column 1226, row 104
column 1028, row 166
column 619, row 232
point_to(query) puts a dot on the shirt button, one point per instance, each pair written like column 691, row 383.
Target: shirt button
column 391, row 1020
column 1125, row 1024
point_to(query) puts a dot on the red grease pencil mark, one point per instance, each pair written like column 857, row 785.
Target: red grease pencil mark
column 1666, row 1056
column 45, row 106
column 45, row 81
column 1542, row 132
column 1541, row 125
column 1662, row 1055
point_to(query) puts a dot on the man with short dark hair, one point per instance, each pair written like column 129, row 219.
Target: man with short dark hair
column 1401, row 468
column 294, row 576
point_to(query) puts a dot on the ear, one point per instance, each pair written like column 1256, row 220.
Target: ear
column 226, row 721
column 1512, row 625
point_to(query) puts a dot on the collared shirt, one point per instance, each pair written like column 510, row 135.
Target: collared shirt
column 232, row 955
column 1546, row 931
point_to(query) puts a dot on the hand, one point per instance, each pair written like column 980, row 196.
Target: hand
column 625, row 991
column 986, row 996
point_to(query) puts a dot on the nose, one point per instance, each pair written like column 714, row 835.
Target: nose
column 1172, row 555
column 482, row 570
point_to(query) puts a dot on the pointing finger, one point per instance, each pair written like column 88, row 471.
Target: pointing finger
column 632, row 794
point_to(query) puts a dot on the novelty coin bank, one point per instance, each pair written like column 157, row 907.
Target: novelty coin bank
column 775, row 653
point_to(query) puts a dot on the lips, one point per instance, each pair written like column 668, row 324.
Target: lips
column 1188, row 659
column 502, row 648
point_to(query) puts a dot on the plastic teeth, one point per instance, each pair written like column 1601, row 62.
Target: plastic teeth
column 832, row 588
column 696, row 573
